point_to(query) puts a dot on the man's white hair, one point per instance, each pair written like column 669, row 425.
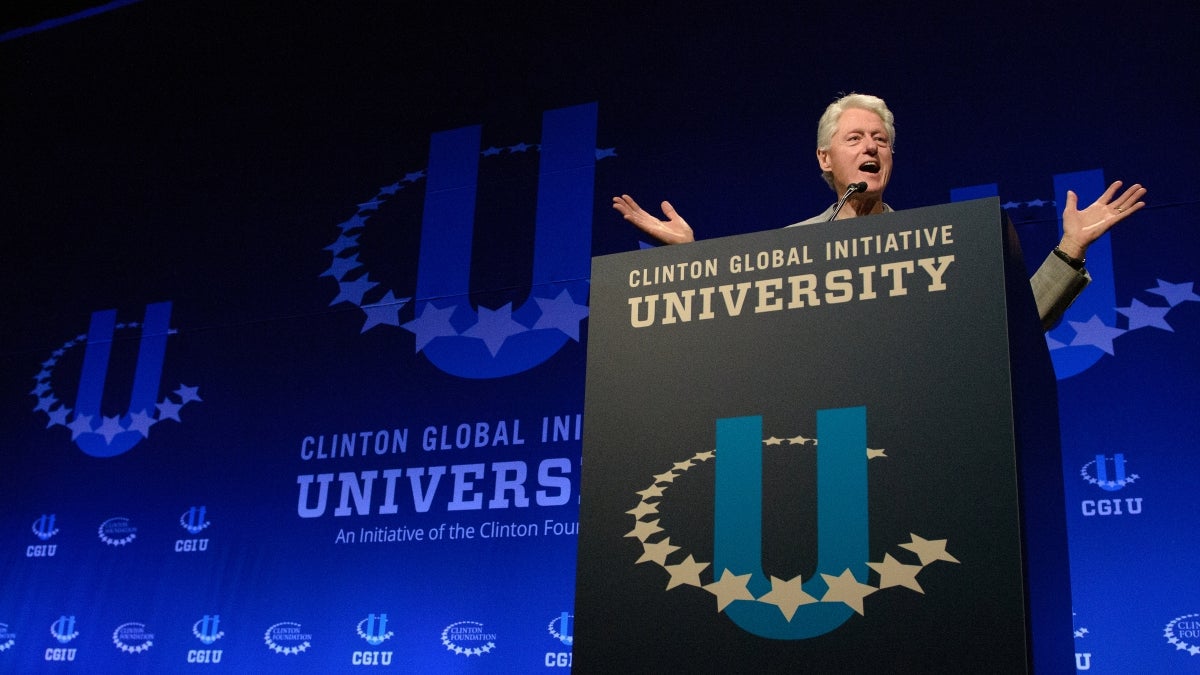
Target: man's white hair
column 827, row 125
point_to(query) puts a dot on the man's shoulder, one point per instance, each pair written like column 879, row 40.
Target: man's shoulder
column 827, row 214
column 819, row 218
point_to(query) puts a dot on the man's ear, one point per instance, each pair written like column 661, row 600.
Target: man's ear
column 823, row 160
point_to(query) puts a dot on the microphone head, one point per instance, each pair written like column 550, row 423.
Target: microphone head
column 859, row 187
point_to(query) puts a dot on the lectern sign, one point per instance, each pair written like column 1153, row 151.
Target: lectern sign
column 797, row 286
column 800, row 449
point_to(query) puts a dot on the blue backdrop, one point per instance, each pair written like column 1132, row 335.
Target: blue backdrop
column 295, row 301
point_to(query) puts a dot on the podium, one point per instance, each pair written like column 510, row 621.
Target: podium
column 830, row 449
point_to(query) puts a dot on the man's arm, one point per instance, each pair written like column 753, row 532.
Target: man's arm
column 1061, row 278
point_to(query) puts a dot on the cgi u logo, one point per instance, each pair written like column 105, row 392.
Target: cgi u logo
column 565, row 629
column 142, row 399
column 1116, row 482
column 561, row 253
column 44, row 528
column 208, row 628
column 63, row 629
column 1100, row 300
column 842, row 528
column 193, row 520
column 376, row 629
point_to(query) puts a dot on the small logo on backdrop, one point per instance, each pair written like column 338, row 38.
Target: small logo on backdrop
column 1183, row 633
column 132, row 638
column 374, row 630
column 194, row 519
column 63, row 629
column 286, row 637
column 468, row 638
column 457, row 337
column 117, row 531
column 561, row 628
column 7, row 638
column 95, row 433
column 1110, row 474
column 1097, row 472
column 208, row 629
column 44, row 527
column 742, row 591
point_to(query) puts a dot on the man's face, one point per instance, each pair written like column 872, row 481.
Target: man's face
column 860, row 151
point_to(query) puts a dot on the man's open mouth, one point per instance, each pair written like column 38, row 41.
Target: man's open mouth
column 869, row 167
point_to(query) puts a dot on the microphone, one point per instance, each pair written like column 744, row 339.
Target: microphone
column 850, row 189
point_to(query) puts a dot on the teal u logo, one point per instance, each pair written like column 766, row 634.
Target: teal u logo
column 842, row 527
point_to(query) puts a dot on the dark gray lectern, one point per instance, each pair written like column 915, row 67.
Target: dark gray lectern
column 823, row 449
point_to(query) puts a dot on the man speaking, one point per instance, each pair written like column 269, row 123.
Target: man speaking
column 855, row 137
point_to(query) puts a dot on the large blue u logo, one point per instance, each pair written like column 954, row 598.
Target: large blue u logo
column 1100, row 300
column 507, row 341
column 842, row 527
column 152, row 351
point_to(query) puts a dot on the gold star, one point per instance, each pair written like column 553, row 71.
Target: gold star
column 657, row 552
column 642, row 509
column 798, row 440
column 773, row 441
column 682, row 466
column 846, row 589
column 665, row 477
column 892, row 572
column 730, row 587
column 643, row 530
column 686, row 572
column 929, row 550
column 704, row 456
column 787, row 596
column 652, row 491
column 872, row 454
